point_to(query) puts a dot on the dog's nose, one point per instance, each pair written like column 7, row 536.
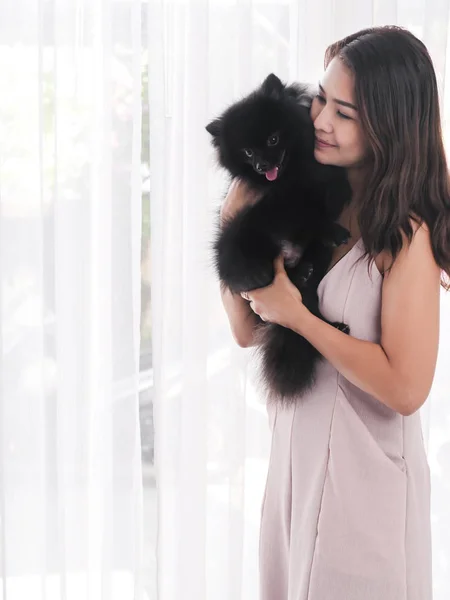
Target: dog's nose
column 262, row 165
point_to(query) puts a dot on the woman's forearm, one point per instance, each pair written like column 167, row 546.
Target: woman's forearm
column 363, row 363
column 240, row 316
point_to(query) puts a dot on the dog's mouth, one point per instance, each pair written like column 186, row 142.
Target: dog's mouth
column 273, row 173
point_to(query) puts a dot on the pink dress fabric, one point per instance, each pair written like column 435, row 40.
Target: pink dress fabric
column 346, row 508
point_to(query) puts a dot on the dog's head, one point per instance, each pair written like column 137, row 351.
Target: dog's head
column 259, row 136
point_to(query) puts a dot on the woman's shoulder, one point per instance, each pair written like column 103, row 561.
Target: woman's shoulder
column 420, row 243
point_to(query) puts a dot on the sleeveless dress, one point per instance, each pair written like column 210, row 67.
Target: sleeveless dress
column 346, row 507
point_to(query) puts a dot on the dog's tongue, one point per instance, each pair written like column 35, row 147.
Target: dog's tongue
column 272, row 174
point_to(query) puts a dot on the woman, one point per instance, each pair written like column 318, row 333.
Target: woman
column 346, row 511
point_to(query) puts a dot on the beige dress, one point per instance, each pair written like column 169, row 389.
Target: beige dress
column 346, row 509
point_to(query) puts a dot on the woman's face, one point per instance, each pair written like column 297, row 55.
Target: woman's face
column 339, row 137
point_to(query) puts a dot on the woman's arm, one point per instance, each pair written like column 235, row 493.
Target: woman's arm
column 240, row 316
column 399, row 371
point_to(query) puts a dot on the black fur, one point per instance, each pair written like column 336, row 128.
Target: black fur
column 296, row 214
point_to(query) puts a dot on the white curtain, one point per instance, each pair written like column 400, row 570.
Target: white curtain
column 212, row 434
column 71, row 376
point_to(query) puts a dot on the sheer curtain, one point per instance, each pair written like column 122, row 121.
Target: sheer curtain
column 212, row 434
column 71, row 171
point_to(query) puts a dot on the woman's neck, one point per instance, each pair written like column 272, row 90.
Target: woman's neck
column 349, row 217
column 356, row 176
column 349, row 220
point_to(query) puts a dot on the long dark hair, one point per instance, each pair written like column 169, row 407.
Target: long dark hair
column 397, row 98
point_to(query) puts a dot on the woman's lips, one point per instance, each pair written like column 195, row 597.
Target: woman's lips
column 322, row 144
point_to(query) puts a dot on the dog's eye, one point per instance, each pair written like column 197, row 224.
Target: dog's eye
column 248, row 152
column 273, row 140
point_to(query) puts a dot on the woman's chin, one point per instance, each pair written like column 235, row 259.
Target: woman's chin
column 321, row 157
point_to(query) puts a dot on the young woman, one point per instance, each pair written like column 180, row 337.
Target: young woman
column 346, row 511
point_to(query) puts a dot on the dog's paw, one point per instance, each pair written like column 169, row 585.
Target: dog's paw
column 292, row 253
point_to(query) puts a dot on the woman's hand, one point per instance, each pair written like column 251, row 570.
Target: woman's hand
column 280, row 302
column 239, row 195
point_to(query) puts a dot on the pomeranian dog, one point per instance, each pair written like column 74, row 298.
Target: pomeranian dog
column 267, row 139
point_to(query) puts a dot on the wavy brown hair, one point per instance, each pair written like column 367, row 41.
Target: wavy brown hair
column 397, row 98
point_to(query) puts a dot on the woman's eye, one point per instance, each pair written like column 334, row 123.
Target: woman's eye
column 320, row 98
column 248, row 152
column 273, row 140
column 343, row 116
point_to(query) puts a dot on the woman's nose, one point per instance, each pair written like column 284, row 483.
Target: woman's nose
column 323, row 122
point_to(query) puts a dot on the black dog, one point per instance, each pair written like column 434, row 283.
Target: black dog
column 267, row 139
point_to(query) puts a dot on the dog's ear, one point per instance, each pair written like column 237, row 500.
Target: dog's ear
column 272, row 85
column 301, row 92
column 214, row 128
